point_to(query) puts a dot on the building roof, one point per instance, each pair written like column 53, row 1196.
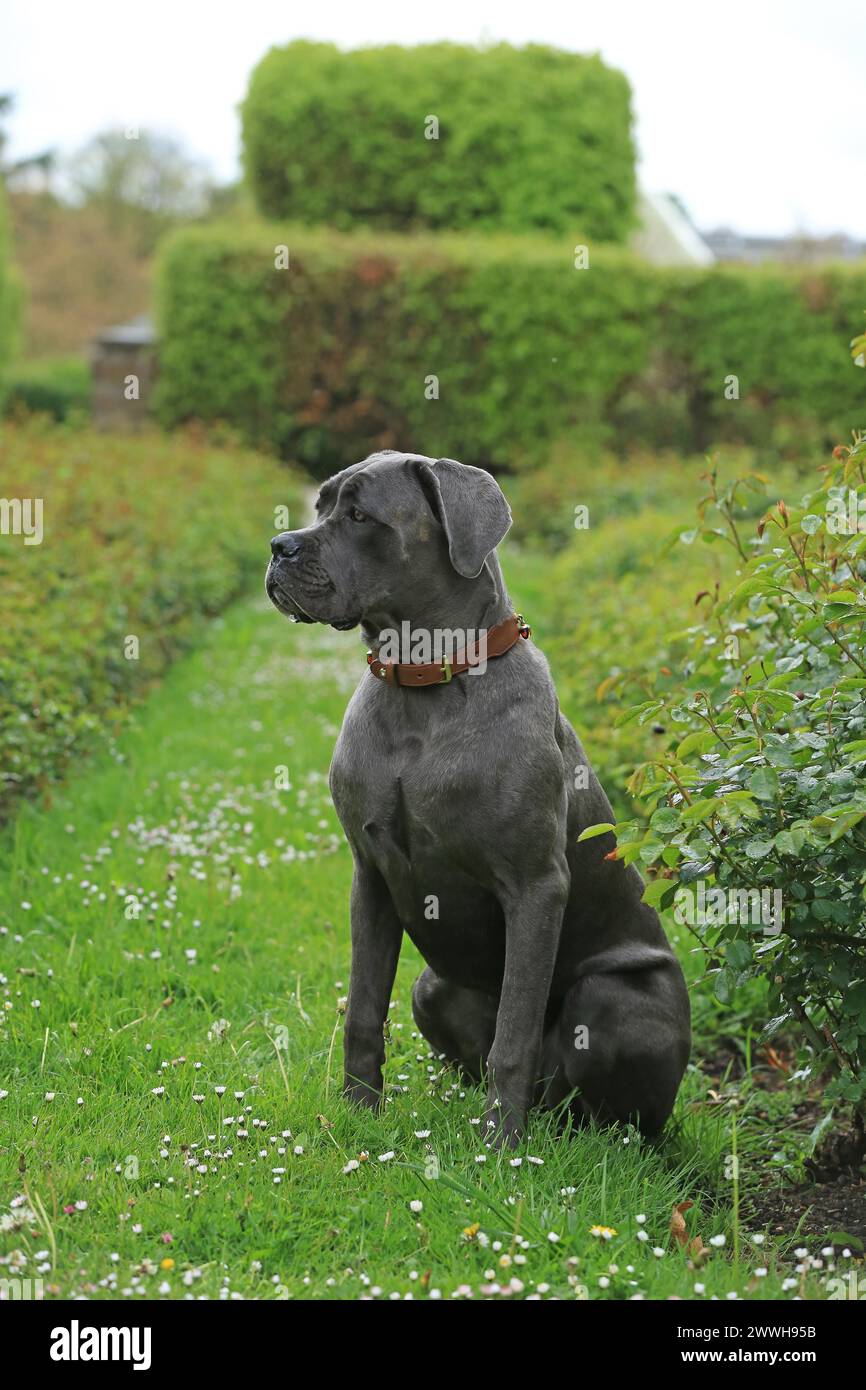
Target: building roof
column 665, row 235
column 139, row 332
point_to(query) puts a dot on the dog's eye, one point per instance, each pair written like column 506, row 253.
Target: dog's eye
column 357, row 515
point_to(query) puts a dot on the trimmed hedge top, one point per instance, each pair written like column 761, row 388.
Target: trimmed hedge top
column 442, row 136
column 489, row 349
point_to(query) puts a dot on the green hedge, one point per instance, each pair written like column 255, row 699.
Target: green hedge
column 57, row 386
column 527, row 138
column 331, row 357
column 606, row 601
column 9, row 297
column 142, row 537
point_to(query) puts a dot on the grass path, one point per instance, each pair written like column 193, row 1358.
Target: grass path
column 174, row 949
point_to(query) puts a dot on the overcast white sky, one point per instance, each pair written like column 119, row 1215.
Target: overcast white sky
column 751, row 110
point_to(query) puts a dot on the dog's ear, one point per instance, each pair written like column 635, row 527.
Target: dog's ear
column 472, row 509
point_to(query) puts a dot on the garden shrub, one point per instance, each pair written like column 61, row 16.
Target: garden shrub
column 493, row 349
column 604, row 586
column 142, row 537
column 758, row 786
column 527, row 138
column 56, row 387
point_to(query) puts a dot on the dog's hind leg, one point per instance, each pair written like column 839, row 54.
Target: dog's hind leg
column 621, row 1043
column 458, row 1023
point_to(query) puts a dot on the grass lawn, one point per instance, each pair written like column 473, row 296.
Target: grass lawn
column 174, row 953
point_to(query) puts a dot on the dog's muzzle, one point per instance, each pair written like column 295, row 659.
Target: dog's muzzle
column 299, row 585
column 285, row 550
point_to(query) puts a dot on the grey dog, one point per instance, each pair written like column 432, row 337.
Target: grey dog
column 546, row 975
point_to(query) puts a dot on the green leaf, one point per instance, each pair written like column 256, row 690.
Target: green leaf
column 790, row 841
column 844, row 824
column 738, row 954
column 701, row 741
column 788, row 663
column 846, row 596
column 650, row 850
column 842, row 612
column 764, row 783
column 591, row 831
column 701, row 810
column 757, row 584
column 773, row 1026
column 656, row 890
column 694, row 870
column 758, row 849
column 641, row 712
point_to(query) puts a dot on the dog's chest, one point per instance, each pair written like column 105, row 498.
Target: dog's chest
column 405, row 799
column 397, row 784
column 404, row 812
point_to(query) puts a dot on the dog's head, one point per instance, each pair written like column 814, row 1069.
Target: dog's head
column 388, row 531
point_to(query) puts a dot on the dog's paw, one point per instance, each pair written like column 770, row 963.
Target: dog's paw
column 501, row 1129
column 358, row 1093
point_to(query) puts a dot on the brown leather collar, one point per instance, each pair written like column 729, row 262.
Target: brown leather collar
column 499, row 640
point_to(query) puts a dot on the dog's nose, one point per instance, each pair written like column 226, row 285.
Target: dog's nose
column 285, row 546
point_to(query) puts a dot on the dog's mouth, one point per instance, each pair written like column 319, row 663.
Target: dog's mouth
column 287, row 604
column 283, row 601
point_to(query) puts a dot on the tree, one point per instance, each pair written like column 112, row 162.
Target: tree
column 43, row 162
column 139, row 179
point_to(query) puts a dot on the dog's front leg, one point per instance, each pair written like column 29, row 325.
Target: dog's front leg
column 533, row 923
column 376, row 938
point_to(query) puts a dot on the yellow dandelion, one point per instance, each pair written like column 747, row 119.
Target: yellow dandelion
column 167, row 1263
column 470, row 1232
column 603, row 1232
